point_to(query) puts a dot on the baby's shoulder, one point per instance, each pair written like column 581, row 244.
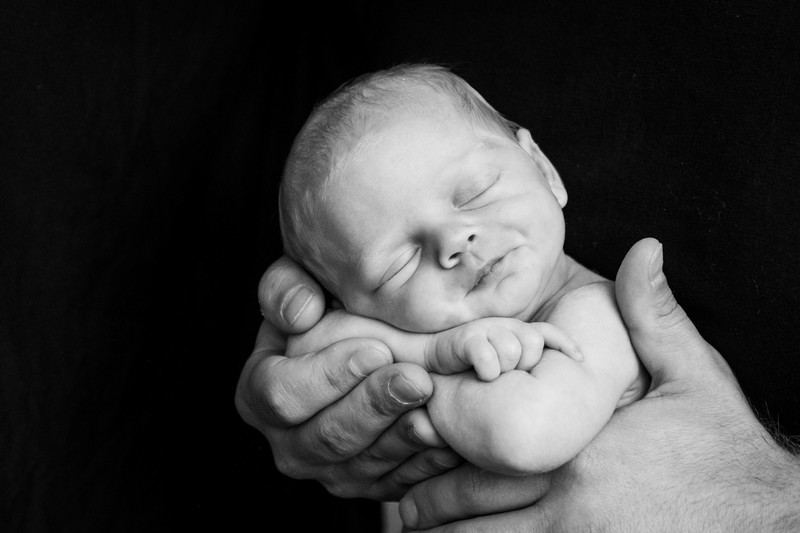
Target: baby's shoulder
column 589, row 311
column 587, row 300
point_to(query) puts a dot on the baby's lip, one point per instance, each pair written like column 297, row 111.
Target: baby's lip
column 490, row 268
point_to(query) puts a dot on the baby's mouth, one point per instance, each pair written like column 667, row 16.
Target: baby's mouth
column 492, row 267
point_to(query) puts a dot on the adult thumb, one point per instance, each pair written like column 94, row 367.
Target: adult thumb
column 667, row 342
column 289, row 297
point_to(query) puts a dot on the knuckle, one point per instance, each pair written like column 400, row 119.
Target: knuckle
column 269, row 398
column 334, row 441
column 466, row 493
column 288, row 466
column 279, row 407
column 483, row 357
column 509, row 355
column 424, row 465
column 340, row 490
column 668, row 308
column 532, row 346
column 334, row 377
column 439, row 460
column 474, row 336
column 341, row 484
column 376, row 455
column 537, row 339
column 343, row 481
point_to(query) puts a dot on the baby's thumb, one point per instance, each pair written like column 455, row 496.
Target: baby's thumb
column 667, row 342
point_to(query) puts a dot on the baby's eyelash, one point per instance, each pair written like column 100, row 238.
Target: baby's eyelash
column 477, row 195
column 484, row 191
column 398, row 265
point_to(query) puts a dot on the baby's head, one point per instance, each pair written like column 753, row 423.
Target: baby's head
column 415, row 202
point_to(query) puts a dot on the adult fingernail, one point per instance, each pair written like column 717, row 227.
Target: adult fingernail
column 408, row 513
column 404, row 391
column 295, row 302
column 368, row 360
column 656, row 272
column 414, row 435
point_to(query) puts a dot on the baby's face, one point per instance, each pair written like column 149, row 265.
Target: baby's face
column 443, row 224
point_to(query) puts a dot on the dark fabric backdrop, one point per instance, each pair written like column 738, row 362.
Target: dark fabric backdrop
column 140, row 149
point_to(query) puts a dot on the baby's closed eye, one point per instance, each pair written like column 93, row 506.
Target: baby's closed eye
column 401, row 268
column 476, row 196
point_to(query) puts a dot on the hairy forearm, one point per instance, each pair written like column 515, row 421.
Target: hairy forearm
column 765, row 494
column 721, row 479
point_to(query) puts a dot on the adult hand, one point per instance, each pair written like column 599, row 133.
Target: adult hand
column 345, row 415
column 690, row 456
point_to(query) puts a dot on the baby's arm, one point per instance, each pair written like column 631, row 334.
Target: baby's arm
column 492, row 346
column 489, row 345
column 525, row 422
column 521, row 422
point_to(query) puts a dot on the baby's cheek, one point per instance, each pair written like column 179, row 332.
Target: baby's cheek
column 408, row 314
column 427, row 311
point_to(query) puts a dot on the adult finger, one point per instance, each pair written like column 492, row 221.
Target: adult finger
column 530, row 520
column 424, row 465
column 665, row 339
column 350, row 425
column 468, row 491
column 413, row 432
column 281, row 391
column 289, row 297
column 408, row 452
column 388, row 480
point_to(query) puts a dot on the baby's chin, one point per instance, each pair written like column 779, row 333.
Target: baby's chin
column 416, row 320
column 411, row 318
column 424, row 323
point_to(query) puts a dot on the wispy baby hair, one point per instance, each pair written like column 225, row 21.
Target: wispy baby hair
column 337, row 130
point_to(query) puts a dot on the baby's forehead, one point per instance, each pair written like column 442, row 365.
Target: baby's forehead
column 337, row 245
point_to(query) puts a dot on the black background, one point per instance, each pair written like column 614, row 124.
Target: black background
column 140, row 149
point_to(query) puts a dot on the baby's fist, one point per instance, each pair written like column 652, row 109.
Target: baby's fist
column 496, row 345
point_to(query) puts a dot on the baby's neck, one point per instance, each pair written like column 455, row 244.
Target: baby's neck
column 571, row 275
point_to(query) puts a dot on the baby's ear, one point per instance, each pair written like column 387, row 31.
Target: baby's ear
column 545, row 166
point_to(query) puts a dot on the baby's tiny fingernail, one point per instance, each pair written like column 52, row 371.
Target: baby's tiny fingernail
column 295, row 302
column 404, row 391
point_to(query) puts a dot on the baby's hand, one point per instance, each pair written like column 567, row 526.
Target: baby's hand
column 495, row 345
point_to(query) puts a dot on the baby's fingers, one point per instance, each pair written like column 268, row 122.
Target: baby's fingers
column 507, row 346
column 532, row 342
column 557, row 339
column 483, row 358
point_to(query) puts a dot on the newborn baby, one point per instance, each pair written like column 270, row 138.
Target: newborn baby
column 437, row 225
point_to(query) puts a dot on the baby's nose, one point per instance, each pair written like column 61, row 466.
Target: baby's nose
column 454, row 243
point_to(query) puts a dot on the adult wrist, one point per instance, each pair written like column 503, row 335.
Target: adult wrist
column 785, row 508
column 768, row 490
